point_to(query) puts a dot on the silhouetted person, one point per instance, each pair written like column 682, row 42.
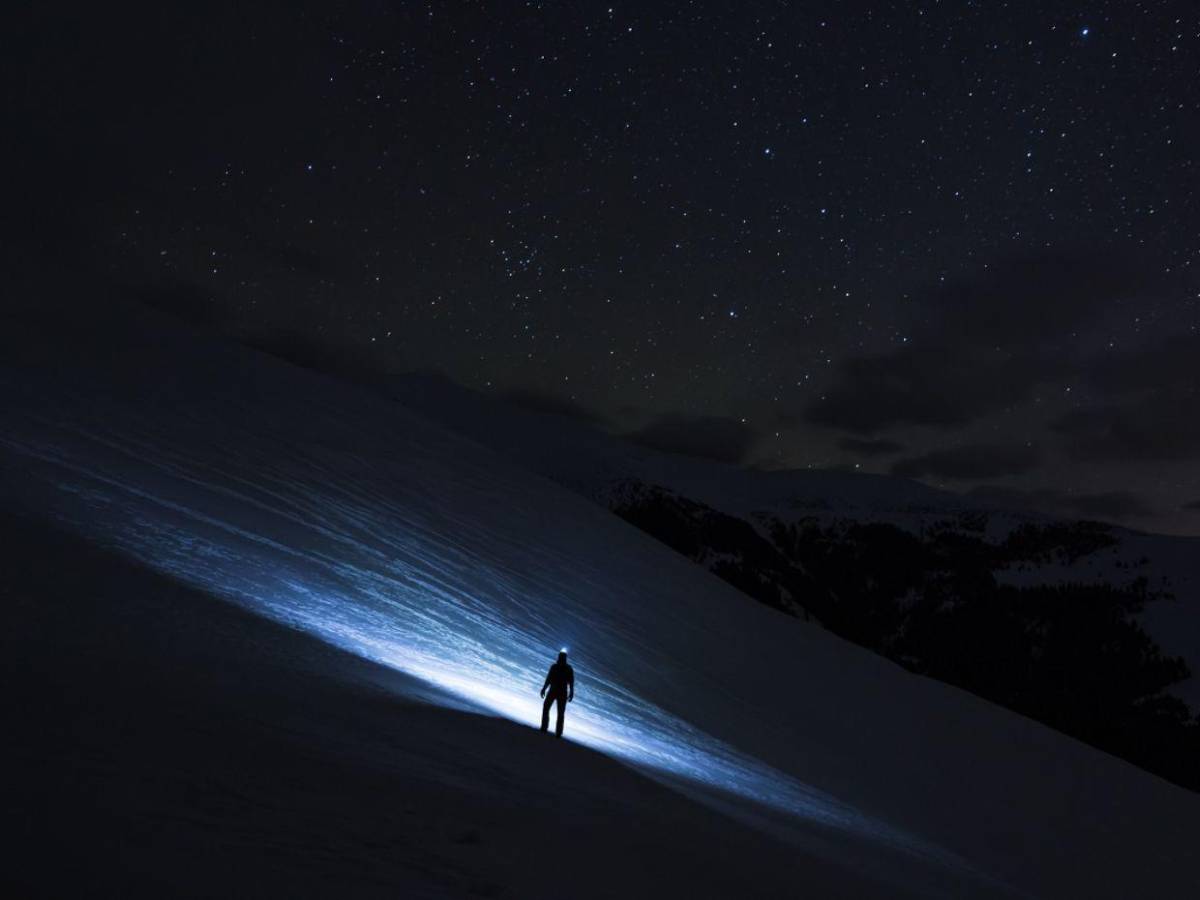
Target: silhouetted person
column 560, row 682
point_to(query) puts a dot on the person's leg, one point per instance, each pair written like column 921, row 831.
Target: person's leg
column 546, row 711
column 562, row 708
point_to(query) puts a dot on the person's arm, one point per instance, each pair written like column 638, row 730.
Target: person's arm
column 547, row 683
column 570, row 685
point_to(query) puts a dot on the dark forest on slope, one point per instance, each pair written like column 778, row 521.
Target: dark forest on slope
column 1071, row 656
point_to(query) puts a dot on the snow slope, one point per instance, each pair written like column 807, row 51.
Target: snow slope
column 173, row 745
column 343, row 515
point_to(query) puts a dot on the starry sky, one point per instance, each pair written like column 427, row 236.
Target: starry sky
column 954, row 241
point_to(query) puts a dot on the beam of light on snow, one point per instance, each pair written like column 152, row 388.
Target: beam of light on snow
column 308, row 545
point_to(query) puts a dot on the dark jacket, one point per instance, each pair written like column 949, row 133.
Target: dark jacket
column 560, row 679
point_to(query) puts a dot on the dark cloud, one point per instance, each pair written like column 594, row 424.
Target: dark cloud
column 1032, row 298
column 878, row 447
column 988, row 343
column 975, row 461
column 931, row 385
column 1170, row 364
column 300, row 349
column 1153, row 406
column 303, row 260
column 1104, row 505
column 182, row 300
column 551, row 404
column 1164, row 426
column 709, row 437
column 297, row 348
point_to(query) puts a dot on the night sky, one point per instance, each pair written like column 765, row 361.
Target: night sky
column 956, row 241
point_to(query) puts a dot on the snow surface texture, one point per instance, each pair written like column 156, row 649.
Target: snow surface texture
column 174, row 746
column 343, row 515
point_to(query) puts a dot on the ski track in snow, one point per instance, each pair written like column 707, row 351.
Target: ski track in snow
column 381, row 564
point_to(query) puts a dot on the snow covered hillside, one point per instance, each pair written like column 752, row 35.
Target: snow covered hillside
column 414, row 551
column 173, row 745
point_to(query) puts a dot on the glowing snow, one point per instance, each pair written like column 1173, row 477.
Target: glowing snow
column 313, row 543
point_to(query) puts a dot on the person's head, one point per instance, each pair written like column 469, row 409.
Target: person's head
column 562, row 655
